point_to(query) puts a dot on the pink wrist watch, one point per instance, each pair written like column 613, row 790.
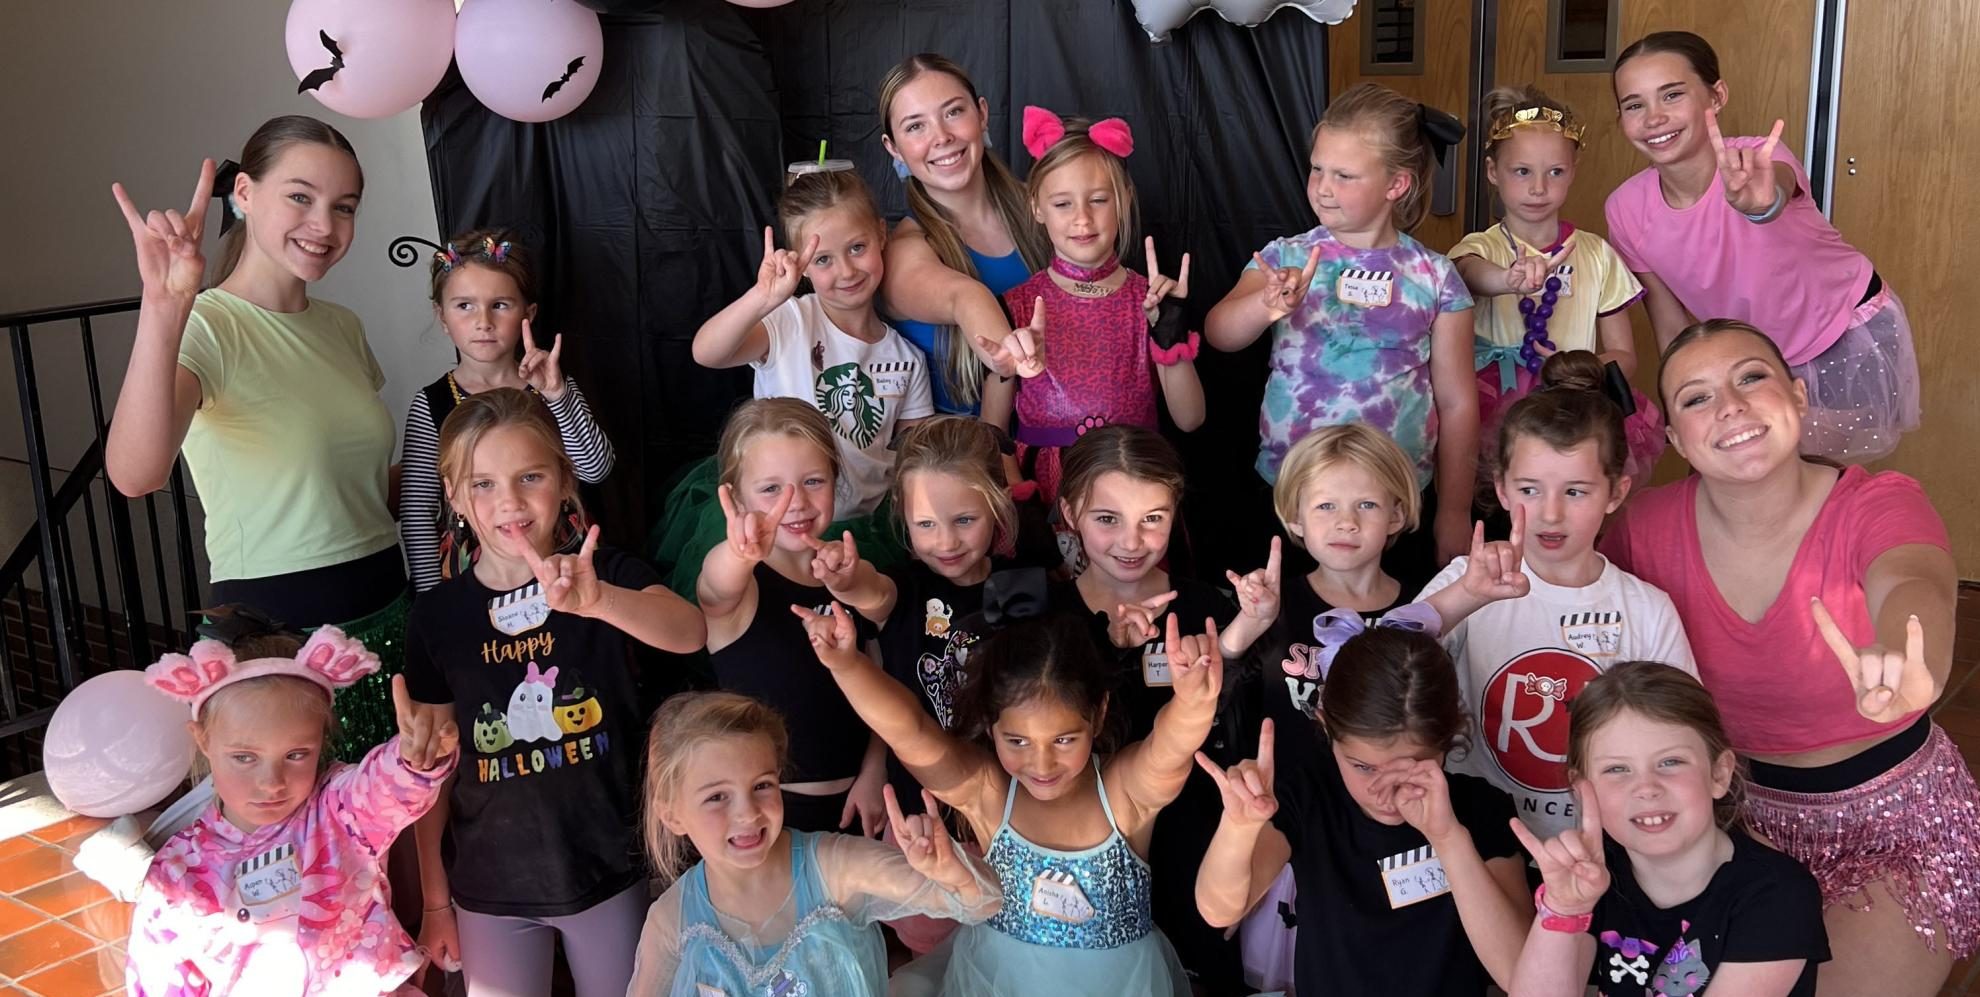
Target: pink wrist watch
column 1573, row 924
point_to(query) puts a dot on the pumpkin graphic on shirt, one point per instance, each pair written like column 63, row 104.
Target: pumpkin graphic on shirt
column 532, row 715
column 847, row 398
column 491, row 730
column 578, row 711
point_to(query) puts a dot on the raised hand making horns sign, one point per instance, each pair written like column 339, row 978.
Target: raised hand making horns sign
column 1747, row 174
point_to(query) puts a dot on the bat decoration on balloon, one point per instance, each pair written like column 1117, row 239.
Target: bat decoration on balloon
column 318, row 77
column 1159, row 17
column 558, row 84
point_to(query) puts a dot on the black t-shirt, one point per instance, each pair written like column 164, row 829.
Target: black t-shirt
column 1352, row 941
column 923, row 645
column 545, row 805
column 1287, row 677
column 773, row 662
column 1760, row 906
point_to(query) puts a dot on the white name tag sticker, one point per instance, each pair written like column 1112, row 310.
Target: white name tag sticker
column 520, row 611
column 1365, row 288
column 269, row 886
column 1565, row 274
column 890, row 385
column 1414, row 876
column 1155, row 665
column 1057, row 895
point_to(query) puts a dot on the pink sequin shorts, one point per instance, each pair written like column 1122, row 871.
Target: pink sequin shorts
column 1916, row 826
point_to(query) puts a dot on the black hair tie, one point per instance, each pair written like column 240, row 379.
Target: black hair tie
column 223, row 188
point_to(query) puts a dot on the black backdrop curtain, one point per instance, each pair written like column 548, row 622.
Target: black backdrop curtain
column 646, row 205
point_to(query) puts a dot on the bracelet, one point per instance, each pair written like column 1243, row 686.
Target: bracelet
column 1780, row 202
column 1183, row 351
column 1552, row 920
column 449, row 905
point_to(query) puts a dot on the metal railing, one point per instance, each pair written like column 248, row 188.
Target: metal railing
column 51, row 636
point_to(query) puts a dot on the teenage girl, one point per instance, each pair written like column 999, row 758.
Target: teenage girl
column 766, row 909
column 529, row 652
column 1409, row 882
column 220, row 911
column 1726, row 228
column 778, row 467
column 1659, row 888
column 1559, row 468
column 1546, row 285
column 272, row 396
column 1368, row 325
column 1067, row 834
column 484, row 294
column 1113, row 334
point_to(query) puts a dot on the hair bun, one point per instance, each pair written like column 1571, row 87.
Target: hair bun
column 1572, row 370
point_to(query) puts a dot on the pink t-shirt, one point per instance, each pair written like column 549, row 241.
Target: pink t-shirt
column 1794, row 278
column 1779, row 686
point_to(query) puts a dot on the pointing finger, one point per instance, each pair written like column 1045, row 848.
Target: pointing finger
column 196, row 209
column 1773, row 139
column 1182, row 278
column 1832, row 634
column 1154, row 267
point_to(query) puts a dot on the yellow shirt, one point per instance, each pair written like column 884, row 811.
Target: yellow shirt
column 291, row 446
column 1596, row 283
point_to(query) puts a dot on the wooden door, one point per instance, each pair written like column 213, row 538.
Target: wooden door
column 1442, row 83
column 1764, row 50
column 1907, row 135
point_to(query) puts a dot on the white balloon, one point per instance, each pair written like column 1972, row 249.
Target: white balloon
column 116, row 746
column 529, row 60
column 1159, row 17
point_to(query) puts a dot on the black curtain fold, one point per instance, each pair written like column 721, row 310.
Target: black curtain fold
column 646, row 205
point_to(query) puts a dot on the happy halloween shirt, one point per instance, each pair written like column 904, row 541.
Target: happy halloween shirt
column 545, row 806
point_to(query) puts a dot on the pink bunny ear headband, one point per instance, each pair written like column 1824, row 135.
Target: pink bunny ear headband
column 1043, row 130
column 329, row 659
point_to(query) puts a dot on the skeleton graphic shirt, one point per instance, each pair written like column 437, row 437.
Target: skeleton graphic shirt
column 864, row 389
column 1760, row 906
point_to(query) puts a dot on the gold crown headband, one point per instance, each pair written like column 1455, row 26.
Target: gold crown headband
column 1536, row 117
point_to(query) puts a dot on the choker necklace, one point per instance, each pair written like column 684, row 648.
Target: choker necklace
column 1086, row 280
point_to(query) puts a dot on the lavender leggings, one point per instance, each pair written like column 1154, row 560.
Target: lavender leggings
column 511, row 956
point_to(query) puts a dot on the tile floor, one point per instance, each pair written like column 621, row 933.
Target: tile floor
column 61, row 935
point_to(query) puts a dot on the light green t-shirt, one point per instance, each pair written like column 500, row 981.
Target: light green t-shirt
column 291, row 446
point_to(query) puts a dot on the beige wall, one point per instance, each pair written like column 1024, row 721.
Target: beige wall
column 103, row 90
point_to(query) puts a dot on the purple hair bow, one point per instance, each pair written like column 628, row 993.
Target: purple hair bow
column 1336, row 627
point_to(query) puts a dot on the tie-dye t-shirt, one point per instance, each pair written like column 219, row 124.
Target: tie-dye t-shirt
column 1334, row 362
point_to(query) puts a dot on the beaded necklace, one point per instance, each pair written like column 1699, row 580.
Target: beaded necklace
column 1535, row 314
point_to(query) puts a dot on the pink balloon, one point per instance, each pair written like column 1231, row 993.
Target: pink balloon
column 529, row 60
column 116, row 746
column 370, row 58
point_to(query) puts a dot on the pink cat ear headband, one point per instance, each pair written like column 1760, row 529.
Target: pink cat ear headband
column 1043, row 130
column 329, row 659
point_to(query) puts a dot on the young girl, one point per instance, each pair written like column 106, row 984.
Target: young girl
column 1660, row 889
column 1367, row 324
column 1112, row 333
column 484, row 294
column 1559, row 471
column 1067, row 836
column 1552, row 286
column 1409, row 883
column 778, row 468
column 280, row 886
column 272, row 396
column 828, row 348
column 768, row 910
column 1122, row 494
column 529, row 651
column 1726, row 228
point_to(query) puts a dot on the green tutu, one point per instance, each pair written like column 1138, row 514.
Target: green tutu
column 365, row 715
column 691, row 524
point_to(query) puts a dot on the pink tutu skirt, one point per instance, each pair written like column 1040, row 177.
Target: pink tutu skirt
column 1863, row 391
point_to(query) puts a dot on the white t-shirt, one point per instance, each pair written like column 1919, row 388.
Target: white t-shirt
column 1520, row 661
column 864, row 389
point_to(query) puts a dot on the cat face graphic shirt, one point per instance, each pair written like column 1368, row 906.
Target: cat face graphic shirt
column 544, row 807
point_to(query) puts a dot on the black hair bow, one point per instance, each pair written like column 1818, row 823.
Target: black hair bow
column 1615, row 385
column 1440, row 130
column 223, row 188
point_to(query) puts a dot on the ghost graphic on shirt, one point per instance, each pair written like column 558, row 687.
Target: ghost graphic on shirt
column 532, row 713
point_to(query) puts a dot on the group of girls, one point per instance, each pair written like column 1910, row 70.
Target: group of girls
column 1090, row 768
